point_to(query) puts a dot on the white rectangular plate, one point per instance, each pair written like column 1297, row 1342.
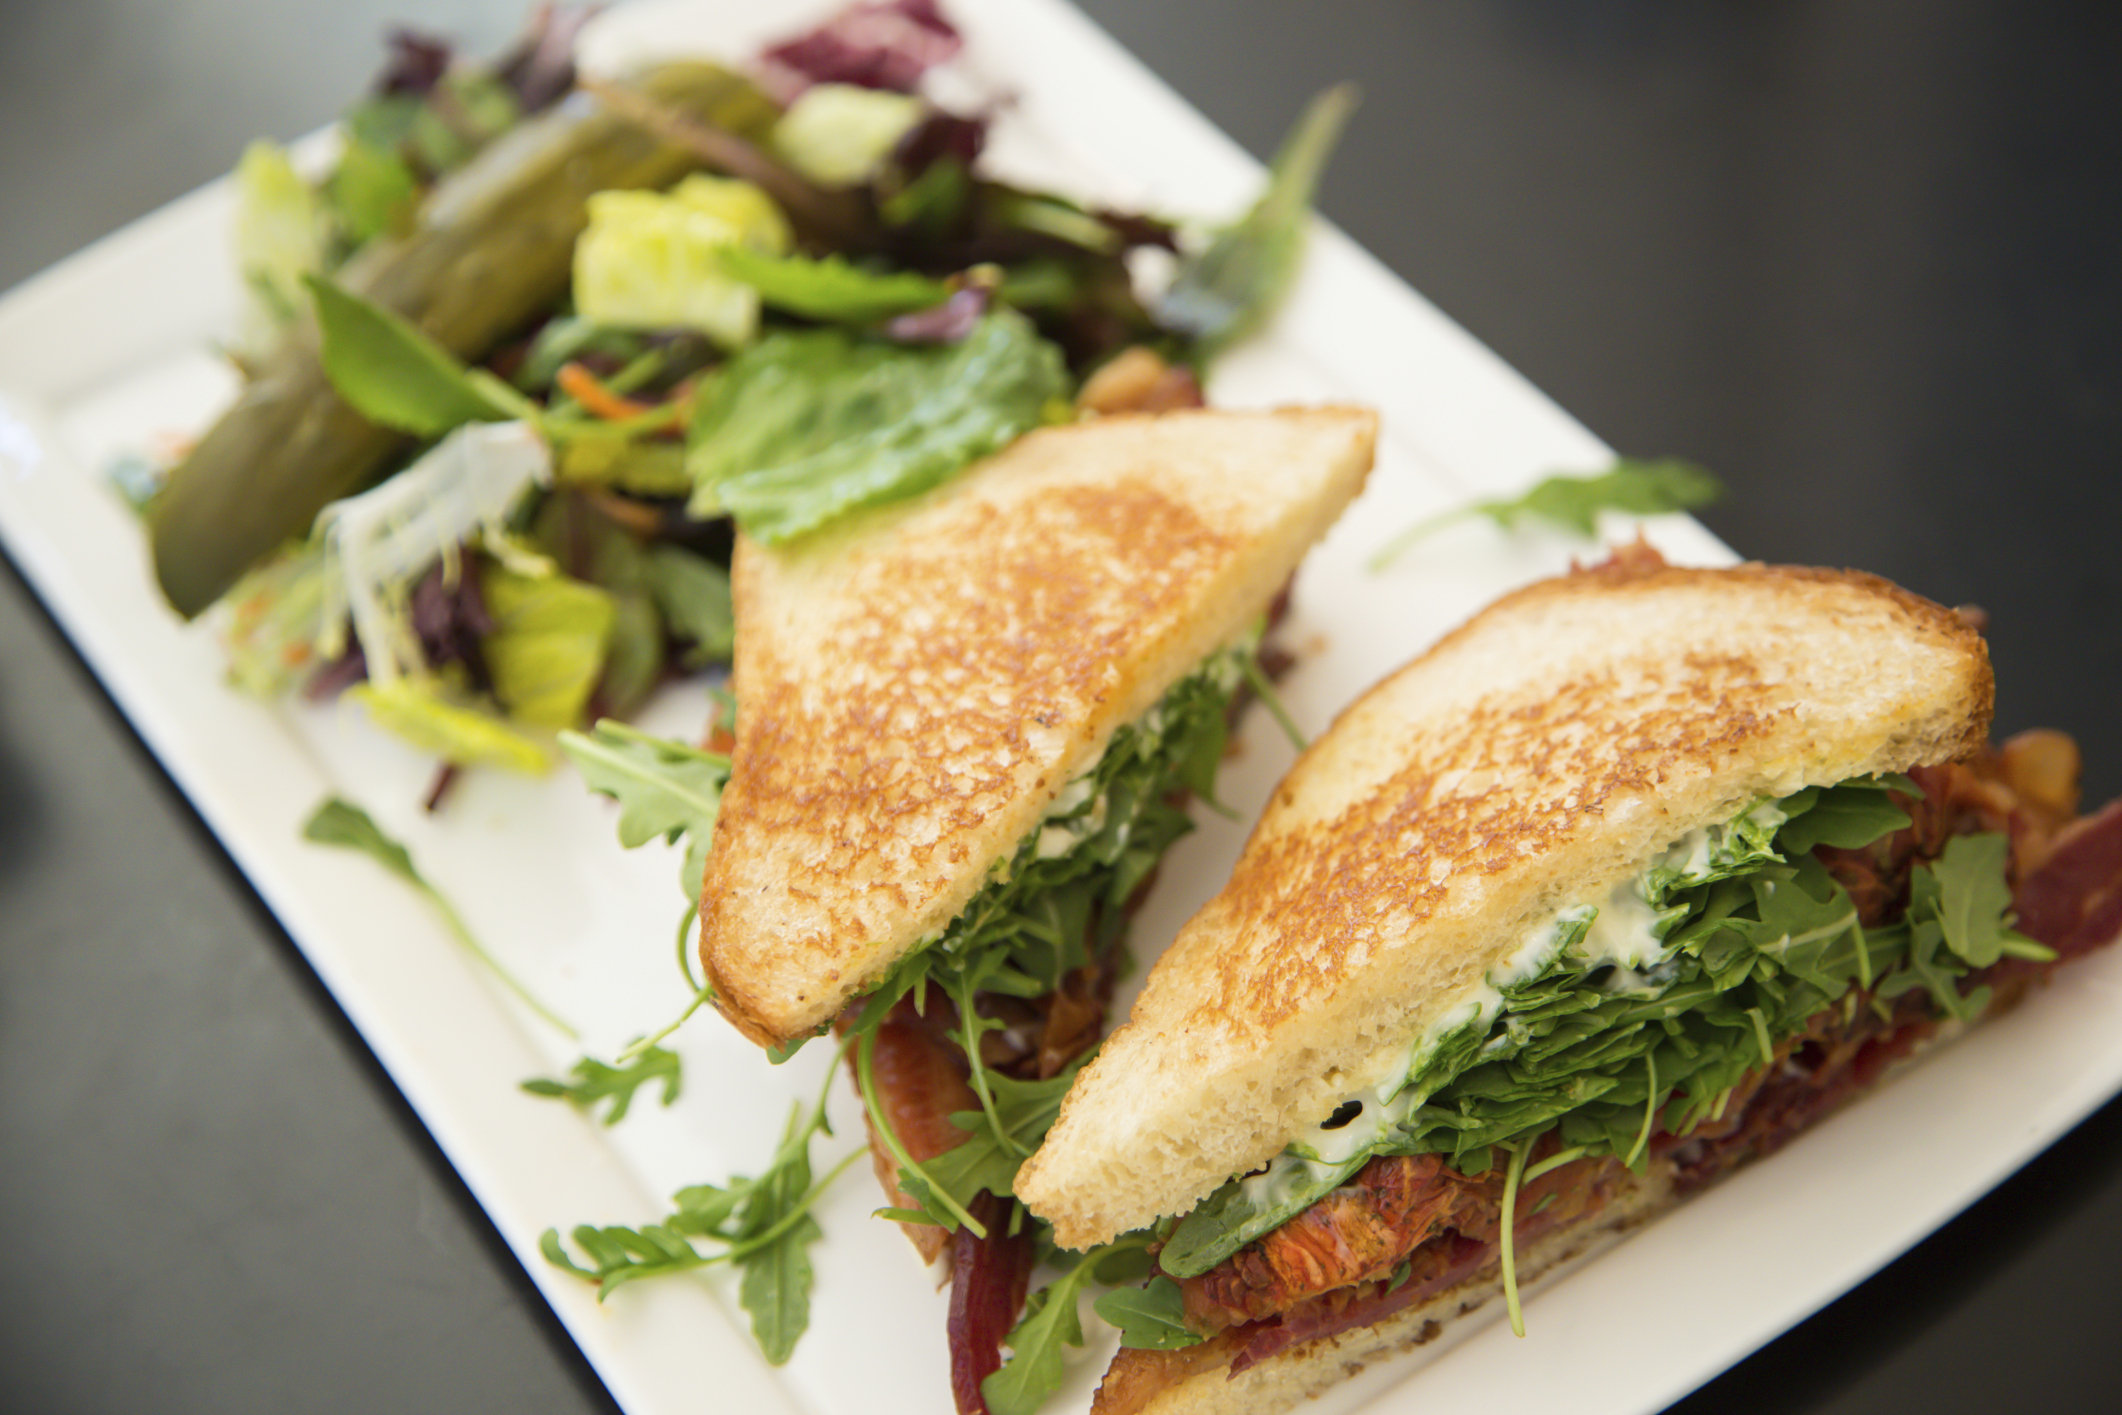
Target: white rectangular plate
column 535, row 869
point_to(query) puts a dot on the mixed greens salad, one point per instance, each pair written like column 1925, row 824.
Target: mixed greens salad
column 532, row 346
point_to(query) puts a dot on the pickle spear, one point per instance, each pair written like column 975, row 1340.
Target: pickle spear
column 491, row 251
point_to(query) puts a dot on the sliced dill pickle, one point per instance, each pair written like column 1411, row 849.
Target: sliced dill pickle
column 491, row 253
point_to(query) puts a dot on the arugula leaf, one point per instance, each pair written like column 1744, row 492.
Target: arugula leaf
column 804, row 428
column 777, row 1274
column 998, row 1141
column 1034, row 921
column 596, row 1081
column 1228, row 290
column 1634, row 486
column 764, row 1226
column 693, row 593
column 341, row 823
column 1752, row 958
column 832, row 288
column 1050, row 1324
column 395, row 375
column 1149, row 1318
column 621, row 1255
column 1848, row 817
column 1037, row 1346
column 663, row 788
column 1969, row 897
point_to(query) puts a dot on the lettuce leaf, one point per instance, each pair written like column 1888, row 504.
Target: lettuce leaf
column 654, row 260
column 832, row 288
column 838, row 134
column 548, row 643
column 803, row 428
column 1228, row 289
column 418, row 711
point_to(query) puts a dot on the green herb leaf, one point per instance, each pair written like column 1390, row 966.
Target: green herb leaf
column 547, row 646
column 663, row 788
column 620, row 1255
column 777, row 1275
column 1037, row 1347
column 1848, row 817
column 1632, row 486
column 1228, row 290
column 1971, row 899
column 343, row 824
column 831, row 288
column 764, row 1225
column 595, row 1081
column 693, row 593
column 1149, row 1318
column 393, row 374
column 802, row 429
column 998, row 1140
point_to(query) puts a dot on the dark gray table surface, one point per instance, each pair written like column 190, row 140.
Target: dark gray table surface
column 1858, row 256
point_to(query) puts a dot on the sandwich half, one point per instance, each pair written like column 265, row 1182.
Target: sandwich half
column 925, row 693
column 1624, row 883
column 966, row 725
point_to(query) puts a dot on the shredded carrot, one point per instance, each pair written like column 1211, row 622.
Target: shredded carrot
column 583, row 386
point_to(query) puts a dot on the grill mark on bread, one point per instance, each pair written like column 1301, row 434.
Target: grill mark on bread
column 944, row 701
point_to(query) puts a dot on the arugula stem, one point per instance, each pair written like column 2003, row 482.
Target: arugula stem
column 865, row 1051
column 642, row 1044
column 1768, row 1052
column 1512, row 1178
column 464, row 936
column 1399, row 545
column 1650, row 1109
column 738, row 1251
column 1257, row 677
column 970, row 1030
column 685, row 952
column 1555, row 1161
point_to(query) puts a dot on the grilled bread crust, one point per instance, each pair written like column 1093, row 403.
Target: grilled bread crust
column 1536, row 757
column 916, row 687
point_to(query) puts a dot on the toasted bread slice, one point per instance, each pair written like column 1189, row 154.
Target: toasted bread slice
column 1536, row 757
column 916, row 688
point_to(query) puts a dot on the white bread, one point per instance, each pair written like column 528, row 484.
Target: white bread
column 1536, row 757
column 917, row 686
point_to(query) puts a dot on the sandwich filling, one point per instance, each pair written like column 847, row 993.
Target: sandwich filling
column 1751, row 978
column 965, row 1052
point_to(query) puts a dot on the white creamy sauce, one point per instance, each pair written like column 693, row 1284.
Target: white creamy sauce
column 1271, row 1187
column 1623, row 935
column 1625, row 932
